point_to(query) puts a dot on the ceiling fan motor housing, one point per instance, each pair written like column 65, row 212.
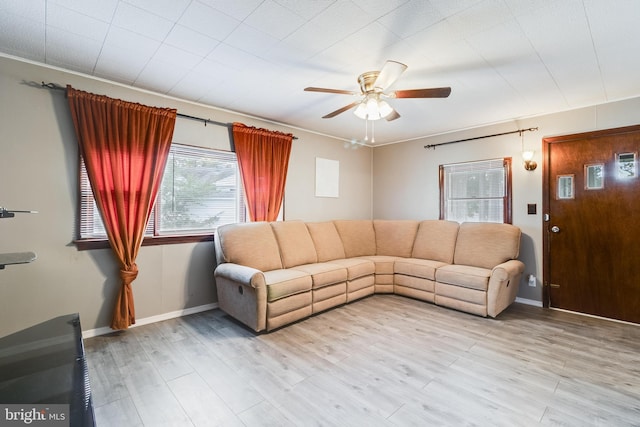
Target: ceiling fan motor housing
column 367, row 80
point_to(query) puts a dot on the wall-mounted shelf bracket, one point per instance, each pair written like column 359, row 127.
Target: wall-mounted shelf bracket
column 5, row 213
column 15, row 257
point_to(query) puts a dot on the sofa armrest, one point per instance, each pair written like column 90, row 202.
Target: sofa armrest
column 242, row 293
column 240, row 274
column 503, row 286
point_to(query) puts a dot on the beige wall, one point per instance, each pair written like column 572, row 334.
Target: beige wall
column 405, row 179
column 38, row 170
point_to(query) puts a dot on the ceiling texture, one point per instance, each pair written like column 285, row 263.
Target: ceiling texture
column 503, row 59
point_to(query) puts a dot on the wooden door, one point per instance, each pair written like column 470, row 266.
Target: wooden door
column 592, row 223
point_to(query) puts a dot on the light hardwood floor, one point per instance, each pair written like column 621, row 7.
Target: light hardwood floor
column 383, row 361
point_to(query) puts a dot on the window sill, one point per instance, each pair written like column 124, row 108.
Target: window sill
column 88, row 244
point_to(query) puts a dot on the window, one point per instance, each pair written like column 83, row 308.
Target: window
column 476, row 191
column 201, row 189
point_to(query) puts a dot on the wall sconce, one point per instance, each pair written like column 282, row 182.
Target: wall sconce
column 527, row 156
column 529, row 163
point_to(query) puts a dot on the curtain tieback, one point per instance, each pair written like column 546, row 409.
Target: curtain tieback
column 129, row 275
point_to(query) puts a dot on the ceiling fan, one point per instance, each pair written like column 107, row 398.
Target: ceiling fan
column 371, row 105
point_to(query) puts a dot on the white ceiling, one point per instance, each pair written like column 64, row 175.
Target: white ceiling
column 504, row 59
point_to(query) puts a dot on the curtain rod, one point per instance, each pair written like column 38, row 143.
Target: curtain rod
column 519, row 131
column 184, row 116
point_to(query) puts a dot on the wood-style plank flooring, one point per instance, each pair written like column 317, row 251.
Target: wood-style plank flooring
column 382, row 361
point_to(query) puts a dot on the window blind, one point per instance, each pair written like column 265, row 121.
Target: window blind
column 475, row 191
column 201, row 189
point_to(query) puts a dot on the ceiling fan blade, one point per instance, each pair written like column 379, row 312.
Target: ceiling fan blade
column 389, row 74
column 325, row 90
column 341, row 110
column 436, row 92
column 394, row 115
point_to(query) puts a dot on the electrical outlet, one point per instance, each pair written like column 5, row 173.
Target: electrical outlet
column 532, row 280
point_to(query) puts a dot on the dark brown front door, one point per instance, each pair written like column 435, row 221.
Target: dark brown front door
column 592, row 223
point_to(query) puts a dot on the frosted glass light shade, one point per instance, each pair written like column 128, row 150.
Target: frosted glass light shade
column 529, row 164
column 361, row 111
column 384, row 108
column 527, row 156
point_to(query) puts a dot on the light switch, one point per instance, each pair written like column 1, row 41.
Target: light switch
column 531, row 208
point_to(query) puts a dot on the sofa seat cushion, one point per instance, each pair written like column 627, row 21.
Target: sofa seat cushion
column 423, row 268
column 356, row 267
column 324, row 273
column 383, row 263
column 286, row 282
column 465, row 276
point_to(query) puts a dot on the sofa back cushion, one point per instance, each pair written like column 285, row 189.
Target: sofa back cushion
column 395, row 238
column 251, row 243
column 486, row 244
column 436, row 240
column 358, row 237
column 296, row 246
column 326, row 240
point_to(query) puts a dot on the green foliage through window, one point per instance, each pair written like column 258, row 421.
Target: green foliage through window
column 201, row 189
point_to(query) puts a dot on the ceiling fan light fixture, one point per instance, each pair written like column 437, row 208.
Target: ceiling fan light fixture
column 372, row 108
column 384, row 108
column 361, row 111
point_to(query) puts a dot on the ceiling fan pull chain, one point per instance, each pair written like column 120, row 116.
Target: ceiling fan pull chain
column 373, row 132
column 366, row 129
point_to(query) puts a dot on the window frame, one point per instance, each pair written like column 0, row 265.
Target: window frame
column 507, row 214
column 88, row 243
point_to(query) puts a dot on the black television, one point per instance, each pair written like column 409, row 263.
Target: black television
column 44, row 366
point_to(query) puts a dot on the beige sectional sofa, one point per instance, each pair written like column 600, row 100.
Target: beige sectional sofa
column 269, row 274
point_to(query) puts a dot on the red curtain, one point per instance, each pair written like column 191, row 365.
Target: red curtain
column 263, row 156
column 125, row 147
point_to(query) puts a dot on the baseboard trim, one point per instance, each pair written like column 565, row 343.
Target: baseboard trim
column 539, row 304
column 529, row 301
column 153, row 319
column 593, row 316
